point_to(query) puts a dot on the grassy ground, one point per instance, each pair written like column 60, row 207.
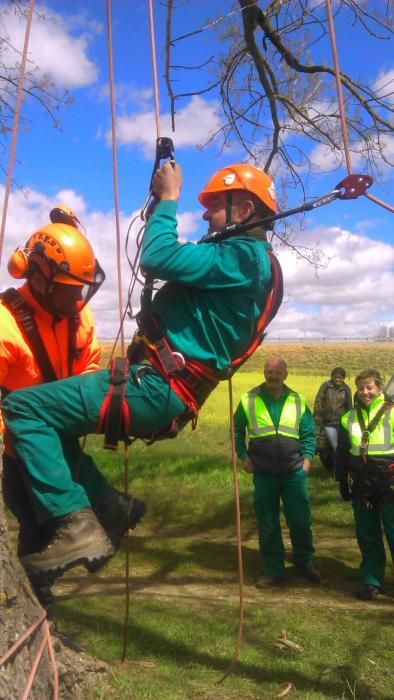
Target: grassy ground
column 184, row 590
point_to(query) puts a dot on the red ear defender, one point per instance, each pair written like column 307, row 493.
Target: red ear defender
column 18, row 263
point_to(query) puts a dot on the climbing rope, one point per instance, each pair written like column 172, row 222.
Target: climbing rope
column 239, row 537
column 134, row 277
column 115, row 172
column 41, row 621
column 154, row 68
column 15, row 127
column 45, row 643
column 341, row 106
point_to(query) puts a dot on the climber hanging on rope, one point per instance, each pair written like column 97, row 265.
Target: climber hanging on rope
column 209, row 315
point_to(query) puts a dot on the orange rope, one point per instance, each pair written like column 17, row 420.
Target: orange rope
column 127, row 539
column 342, row 108
column 234, row 457
column 127, row 562
column 239, row 538
column 46, row 641
column 15, row 124
column 154, row 68
column 339, row 87
column 115, row 173
column 389, row 207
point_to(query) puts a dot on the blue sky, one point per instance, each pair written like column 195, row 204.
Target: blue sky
column 350, row 297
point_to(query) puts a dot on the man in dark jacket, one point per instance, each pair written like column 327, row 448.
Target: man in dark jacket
column 281, row 433
column 333, row 399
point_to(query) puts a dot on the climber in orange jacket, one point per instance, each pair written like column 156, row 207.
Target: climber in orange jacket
column 47, row 333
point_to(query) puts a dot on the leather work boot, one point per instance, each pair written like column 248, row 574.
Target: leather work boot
column 267, row 581
column 118, row 512
column 310, row 572
column 368, row 592
column 78, row 539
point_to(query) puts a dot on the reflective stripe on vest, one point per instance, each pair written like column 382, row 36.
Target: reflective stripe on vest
column 380, row 442
column 259, row 421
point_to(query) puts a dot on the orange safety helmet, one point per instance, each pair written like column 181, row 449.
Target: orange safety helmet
column 60, row 251
column 242, row 177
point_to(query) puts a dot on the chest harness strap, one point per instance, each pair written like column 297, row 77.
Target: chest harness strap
column 366, row 430
column 191, row 380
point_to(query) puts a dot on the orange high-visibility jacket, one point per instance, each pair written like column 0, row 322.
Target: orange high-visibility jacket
column 18, row 368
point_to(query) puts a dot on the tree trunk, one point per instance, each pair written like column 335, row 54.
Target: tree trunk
column 19, row 609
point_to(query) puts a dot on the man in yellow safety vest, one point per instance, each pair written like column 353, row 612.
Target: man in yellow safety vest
column 281, row 434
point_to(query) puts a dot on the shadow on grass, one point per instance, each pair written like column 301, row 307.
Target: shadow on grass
column 330, row 680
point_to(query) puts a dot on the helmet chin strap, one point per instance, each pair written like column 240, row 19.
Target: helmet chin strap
column 229, row 204
column 43, row 296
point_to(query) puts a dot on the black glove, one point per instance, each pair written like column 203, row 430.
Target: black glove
column 344, row 490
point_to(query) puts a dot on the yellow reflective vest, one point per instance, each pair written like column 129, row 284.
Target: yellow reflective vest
column 259, row 421
column 380, row 439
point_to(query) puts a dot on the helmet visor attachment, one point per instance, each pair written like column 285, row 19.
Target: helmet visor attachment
column 91, row 288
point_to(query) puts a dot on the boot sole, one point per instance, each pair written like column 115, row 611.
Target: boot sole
column 93, row 560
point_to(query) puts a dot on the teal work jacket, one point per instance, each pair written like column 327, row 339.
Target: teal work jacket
column 214, row 292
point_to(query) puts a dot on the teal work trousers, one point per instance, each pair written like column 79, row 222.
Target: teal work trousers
column 370, row 524
column 43, row 420
column 292, row 490
column 82, row 468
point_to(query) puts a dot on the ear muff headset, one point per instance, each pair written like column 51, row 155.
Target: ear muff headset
column 18, row 263
column 60, row 253
column 22, row 261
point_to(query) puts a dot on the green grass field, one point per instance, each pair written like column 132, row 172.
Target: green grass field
column 184, row 609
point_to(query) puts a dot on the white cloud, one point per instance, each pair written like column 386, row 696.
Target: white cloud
column 325, row 160
column 384, row 86
column 195, row 123
column 52, row 50
column 350, row 298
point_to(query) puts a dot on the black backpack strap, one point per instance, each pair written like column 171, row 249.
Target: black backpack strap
column 73, row 351
column 24, row 316
column 114, row 418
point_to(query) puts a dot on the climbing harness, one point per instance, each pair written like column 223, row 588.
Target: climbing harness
column 114, row 418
